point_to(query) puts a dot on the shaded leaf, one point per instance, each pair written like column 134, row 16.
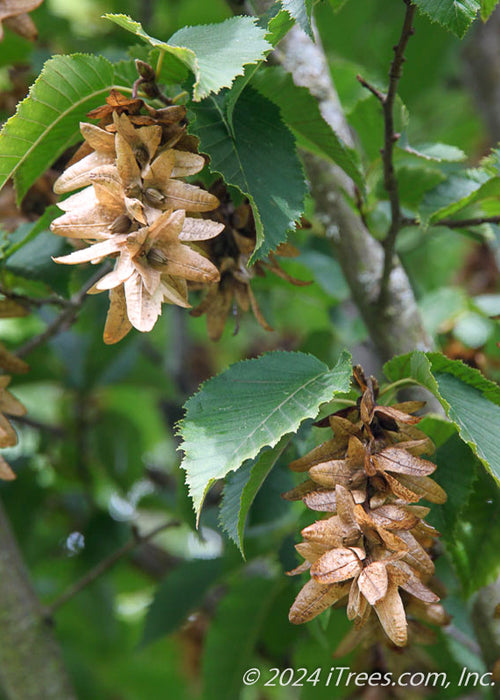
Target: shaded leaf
column 46, row 123
column 470, row 400
column 454, row 15
column 241, row 489
column 233, row 634
column 300, row 10
column 182, row 591
column 249, row 406
column 259, row 158
column 300, row 111
column 215, row 53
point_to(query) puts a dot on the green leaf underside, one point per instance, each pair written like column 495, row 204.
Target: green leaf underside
column 180, row 593
column 487, row 7
column 46, row 123
column 470, row 400
column 454, row 15
column 215, row 53
column 300, row 10
column 258, row 156
column 456, row 472
column 252, row 405
column 455, row 194
column 241, row 489
column 476, row 544
column 301, row 113
column 233, row 634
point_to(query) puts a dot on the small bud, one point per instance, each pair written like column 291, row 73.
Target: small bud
column 145, row 70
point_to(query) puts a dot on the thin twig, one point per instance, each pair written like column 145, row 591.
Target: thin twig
column 465, row 223
column 390, row 138
column 454, row 223
column 104, row 566
column 379, row 95
column 29, row 302
column 66, row 318
column 56, row 430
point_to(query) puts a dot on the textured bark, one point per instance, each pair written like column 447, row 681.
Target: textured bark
column 395, row 327
column 31, row 666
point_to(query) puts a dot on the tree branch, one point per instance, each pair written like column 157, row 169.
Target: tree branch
column 31, row 666
column 390, row 138
column 103, row 566
column 66, row 318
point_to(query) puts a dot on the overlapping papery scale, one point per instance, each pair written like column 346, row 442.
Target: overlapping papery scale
column 133, row 209
column 374, row 549
column 9, row 406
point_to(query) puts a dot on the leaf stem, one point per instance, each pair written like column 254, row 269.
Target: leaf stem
column 406, row 381
column 159, row 64
column 104, row 566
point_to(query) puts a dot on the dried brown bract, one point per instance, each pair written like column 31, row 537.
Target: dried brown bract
column 230, row 252
column 9, row 406
column 374, row 548
column 134, row 207
column 8, row 361
column 14, row 15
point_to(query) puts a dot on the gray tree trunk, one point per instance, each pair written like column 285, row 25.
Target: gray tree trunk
column 31, row 667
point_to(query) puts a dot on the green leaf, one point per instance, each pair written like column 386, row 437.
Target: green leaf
column 180, row 593
column 33, row 261
column 215, row 53
column 241, row 489
column 456, row 472
column 42, row 224
column 476, row 543
column 279, row 25
column 300, row 10
column 470, row 400
column 487, row 7
column 258, row 156
column 232, row 637
column 250, row 406
column 46, row 123
column 434, row 152
column 301, row 113
column 454, row 15
column 338, row 4
column 456, row 193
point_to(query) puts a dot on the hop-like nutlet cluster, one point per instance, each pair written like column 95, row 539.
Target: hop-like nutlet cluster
column 374, row 552
column 14, row 14
column 133, row 209
column 231, row 252
column 8, row 438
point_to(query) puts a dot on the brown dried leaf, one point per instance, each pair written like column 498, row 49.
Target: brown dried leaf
column 115, row 101
column 11, row 309
column 373, row 582
column 180, row 195
column 330, row 532
column 425, row 487
column 10, row 363
column 400, row 490
column 398, row 415
column 313, row 598
column 336, row 471
column 143, row 308
column 6, row 473
column 394, row 517
column 298, row 492
column 199, row 229
column 311, row 550
column 394, row 459
column 322, row 453
column 416, row 556
column 391, row 613
column 117, row 322
column 411, row 583
column 322, row 501
column 338, row 565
